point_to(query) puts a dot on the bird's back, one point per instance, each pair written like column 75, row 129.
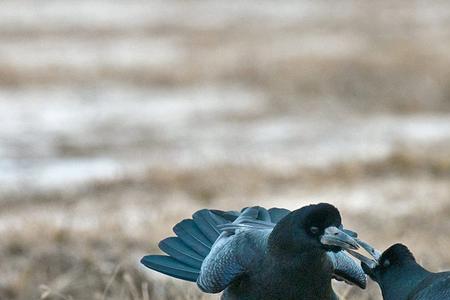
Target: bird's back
column 434, row 287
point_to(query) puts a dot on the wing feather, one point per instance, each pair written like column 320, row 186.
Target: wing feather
column 207, row 224
column 276, row 214
column 177, row 249
column 212, row 247
column 189, row 233
column 170, row 266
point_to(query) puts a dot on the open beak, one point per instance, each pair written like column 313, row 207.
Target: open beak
column 334, row 236
column 369, row 262
column 376, row 254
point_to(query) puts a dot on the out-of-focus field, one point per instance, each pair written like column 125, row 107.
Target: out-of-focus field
column 120, row 118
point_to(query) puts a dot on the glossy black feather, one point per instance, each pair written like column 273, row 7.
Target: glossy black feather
column 170, row 266
column 218, row 219
column 177, row 249
column 263, row 215
column 276, row 214
column 191, row 235
column 207, row 224
column 230, row 216
column 250, row 212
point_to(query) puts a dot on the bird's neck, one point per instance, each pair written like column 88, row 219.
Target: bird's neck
column 402, row 280
column 307, row 274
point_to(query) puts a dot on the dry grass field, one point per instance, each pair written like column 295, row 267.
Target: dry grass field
column 120, row 118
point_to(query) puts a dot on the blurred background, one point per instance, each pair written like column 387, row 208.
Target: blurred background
column 120, row 118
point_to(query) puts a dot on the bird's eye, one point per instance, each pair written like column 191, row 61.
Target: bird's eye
column 314, row 230
column 386, row 263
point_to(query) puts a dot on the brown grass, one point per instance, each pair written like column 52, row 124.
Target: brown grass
column 69, row 261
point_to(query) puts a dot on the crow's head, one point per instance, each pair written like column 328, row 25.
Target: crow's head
column 316, row 226
column 394, row 258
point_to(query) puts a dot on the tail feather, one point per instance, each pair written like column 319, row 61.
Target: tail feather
column 189, row 233
column 170, row 266
column 175, row 248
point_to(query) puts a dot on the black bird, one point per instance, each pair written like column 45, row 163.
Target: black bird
column 262, row 254
column 400, row 277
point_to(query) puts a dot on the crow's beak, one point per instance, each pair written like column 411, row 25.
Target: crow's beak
column 369, row 263
column 366, row 261
column 376, row 254
column 334, row 236
column 351, row 233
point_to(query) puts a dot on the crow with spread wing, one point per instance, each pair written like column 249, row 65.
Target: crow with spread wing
column 262, row 254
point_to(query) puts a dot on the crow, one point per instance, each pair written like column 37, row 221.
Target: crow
column 400, row 277
column 262, row 254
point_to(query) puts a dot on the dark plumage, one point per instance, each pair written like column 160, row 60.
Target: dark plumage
column 400, row 277
column 261, row 254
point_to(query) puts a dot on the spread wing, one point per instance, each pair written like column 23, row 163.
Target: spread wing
column 208, row 248
column 186, row 252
